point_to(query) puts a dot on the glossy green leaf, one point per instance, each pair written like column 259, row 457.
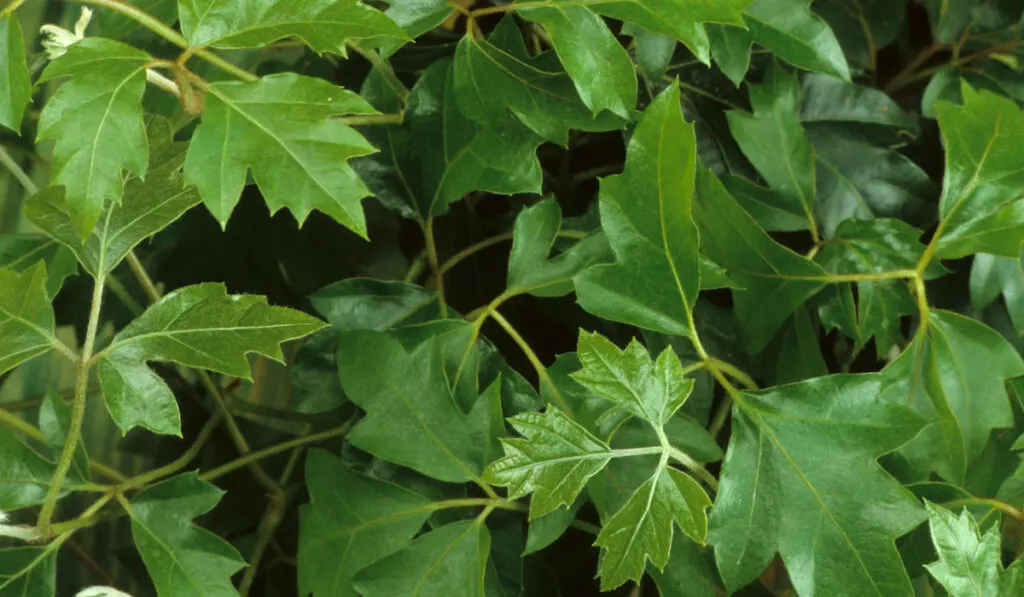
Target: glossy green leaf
column 653, row 391
column 530, row 270
column 438, row 155
column 779, row 495
column 980, row 209
column 863, row 27
column 182, row 558
column 197, row 326
column 554, row 459
column 992, row 276
column 96, row 120
column 324, row 25
column 280, row 127
column 730, row 47
column 645, row 211
column 450, row 560
column 410, row 391
column 953, row 375
column 969, row 562
column 773, row 280
column 415, row 18
column 774, row 140
column 771, row 210
column 643, row 528
column 795, row 34
column 26, row 318
column 148, row 206
column 16, row 90
column 351, row 521
column 490, row 80
column 24, row 474
column 829, row 99
column 597, row 63
column 369, row 304
column 28, row 572
column 19, row 252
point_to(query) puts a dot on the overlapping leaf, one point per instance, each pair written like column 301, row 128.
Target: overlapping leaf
column 281, row 128
column 645, row 211
column 863, row 26
column 351, row 521
column 19, row 252
column 969, row 562
column 24, row 474
column 197, row 326
column 16, row 88
column 779, row 495
column 28, row 572
column 324, row 25
column 953, row 375
column 182, row 558
column 26, row 318
column 96, row 120
column 991, row 276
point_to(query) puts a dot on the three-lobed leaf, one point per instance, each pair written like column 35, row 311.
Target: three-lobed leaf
column 969, row 562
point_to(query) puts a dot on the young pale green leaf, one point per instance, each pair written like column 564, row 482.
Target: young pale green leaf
column 554, row 459
column 438, row 155
column 969, row 562
column 953, row 374
column 26, row 318
column 651, row 390
column 530, row 270
column 54, row 422
column 773, row 280
column 96, row 120
column 774, row 141
column 645, row 211
column 351, row 522
column 197, row 326
column 324, row 25
column 643, row 528
column 863, row 26
column 410, row 391
column 280, row 127
column 148, row 206
column 798, row 472
column 991, row 276
column 451, row 560
column 24, row 474
column 795, row 34
column 182, row 558
column 16, row 91
column 19, row 252
column 28, row 572
column 599, row 66
column 980, row 209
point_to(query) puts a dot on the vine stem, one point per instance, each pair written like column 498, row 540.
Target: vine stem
column 77, row 409
column 26, row 428
column 16, row 171
column 428, row 236
column 382, row 66
column 495, row 240
column 258, row 455
column 542, row 371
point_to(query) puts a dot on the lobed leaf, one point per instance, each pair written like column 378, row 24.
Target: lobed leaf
column 26, row 318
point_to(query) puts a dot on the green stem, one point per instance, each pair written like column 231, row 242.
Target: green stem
column 542, row 371
column 370, row 119
column 382, row 67
column 428, row 235
column 15, row 169
column 694, row 467
column 254, row 457
column 693, row 367
column 77, row 410
column 735, row 373
column 495, row 240
column 900, row 274
column 177, row 464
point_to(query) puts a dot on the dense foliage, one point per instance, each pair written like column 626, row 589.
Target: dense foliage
column 677, row 297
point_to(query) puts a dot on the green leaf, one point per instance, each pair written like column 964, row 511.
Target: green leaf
column 828, row 99
column 438, row 155
column 351, row 521
column 554, row 459
column 969, row 562
column 281, row 128
column 773, row 280
column 54, row 421
column 689, row 572
column 450, row 560
column 148, row 206
column 779, row 494
column 490, row 81
column 26, row 318
column 96, row 120
column 769, row 209
column 530, row 270
column 16, row 91
column 799, row 351
column 953, row 375
column 653, row 391
column 369, row 304
column 863, row 26
column 197, row 326
column 546, row 529
column 645, row 211
column 643, row 528
column 991, row 276
column 774, row 141
column 599, row 66
column 24, row 474
column 980, row 207
column 409, row 390
column 28, row 572
column 730, row 47
column 19, row 252
column 324, row 25
column 415, row 18
column 116, row 25
column 795, row 34
column 181, row 558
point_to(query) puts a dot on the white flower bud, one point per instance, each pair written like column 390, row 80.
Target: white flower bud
column 57, row 39
column 101, row 592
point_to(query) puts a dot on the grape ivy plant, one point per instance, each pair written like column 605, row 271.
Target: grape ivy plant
column 449, row 298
